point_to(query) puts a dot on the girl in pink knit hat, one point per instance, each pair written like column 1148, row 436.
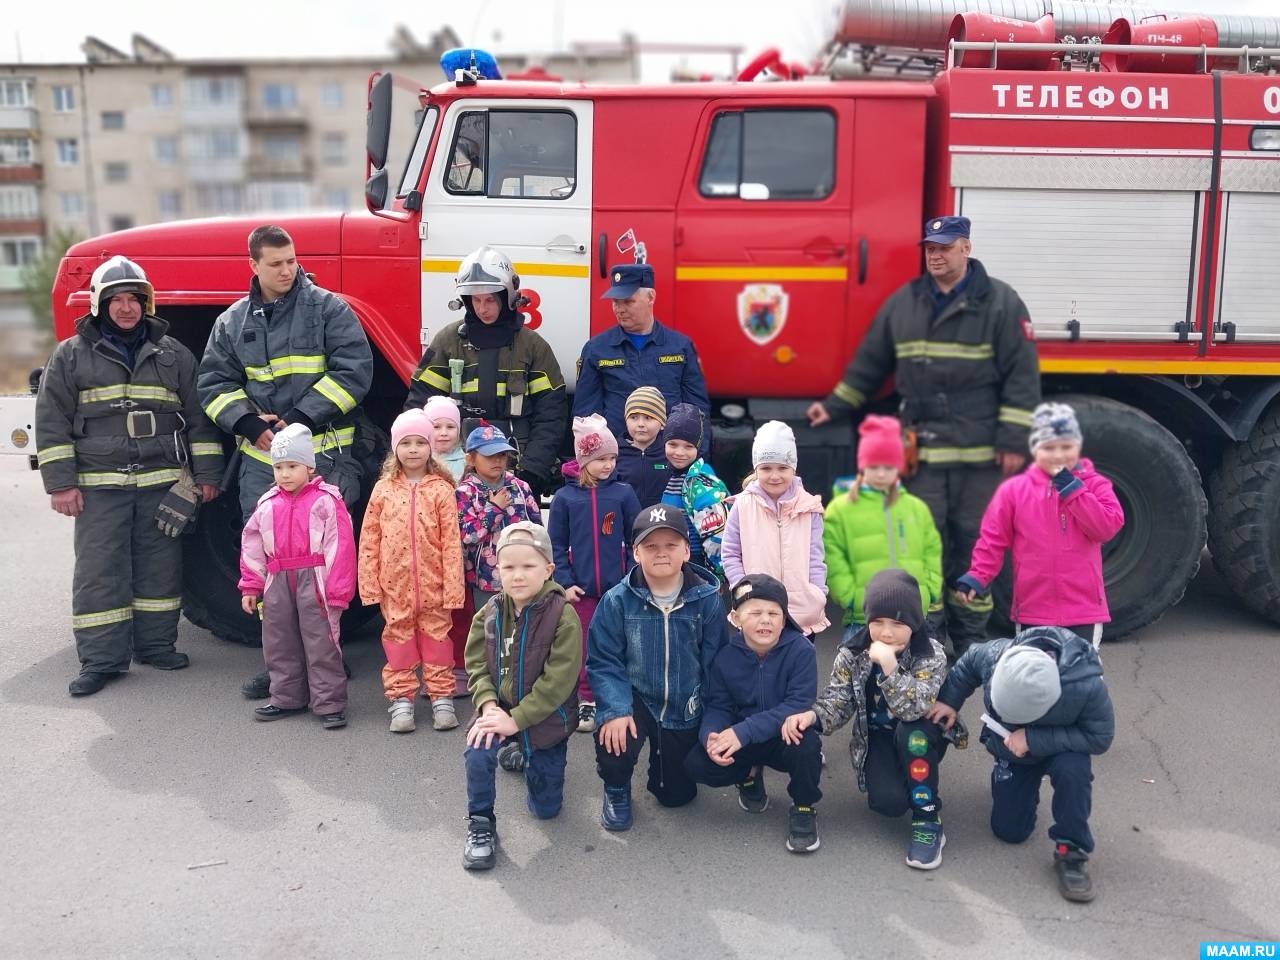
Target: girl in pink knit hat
column 877, row 525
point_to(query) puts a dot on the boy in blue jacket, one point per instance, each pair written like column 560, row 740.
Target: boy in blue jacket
column 767, row 671
column 642, row 455
column 649, row 647
column 1045, row 689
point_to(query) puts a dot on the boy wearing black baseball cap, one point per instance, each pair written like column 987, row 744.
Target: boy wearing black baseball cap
column 885, row 677
column 767, row 671
column 649, row 648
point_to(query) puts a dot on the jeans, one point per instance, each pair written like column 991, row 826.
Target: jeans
column 902, row 769
column 803, row 762
column 1015, row 794
column 543, row 778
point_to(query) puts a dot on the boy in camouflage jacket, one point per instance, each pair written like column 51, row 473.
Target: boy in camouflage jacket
column 885, row 678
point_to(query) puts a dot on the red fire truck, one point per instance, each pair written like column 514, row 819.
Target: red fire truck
column 1137, row 213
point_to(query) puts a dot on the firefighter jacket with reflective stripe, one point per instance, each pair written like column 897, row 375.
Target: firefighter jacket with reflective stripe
column 311, row 357
column 90, row 401
column 968, row 378
column 517, row 388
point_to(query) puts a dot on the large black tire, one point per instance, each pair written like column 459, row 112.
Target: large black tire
column 1244, row 527
column 1148, row 564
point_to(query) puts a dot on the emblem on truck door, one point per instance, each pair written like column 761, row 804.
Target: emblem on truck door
column 762, row 311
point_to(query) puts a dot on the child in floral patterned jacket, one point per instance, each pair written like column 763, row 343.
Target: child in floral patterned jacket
column 885, row 678
column 489, row 498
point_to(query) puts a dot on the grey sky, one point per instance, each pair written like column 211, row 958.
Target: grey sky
column 303, row 28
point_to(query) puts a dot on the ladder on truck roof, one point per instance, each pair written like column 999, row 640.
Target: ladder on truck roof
column 1088, row 56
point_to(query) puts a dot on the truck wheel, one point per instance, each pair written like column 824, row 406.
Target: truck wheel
column 211, row 572
column 1148, row 564
column 1244, row 535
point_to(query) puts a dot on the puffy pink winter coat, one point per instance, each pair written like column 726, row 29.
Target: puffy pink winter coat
column 1056, row 543
column 309, row 528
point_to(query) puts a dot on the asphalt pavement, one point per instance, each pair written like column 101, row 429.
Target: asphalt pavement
column 157, row 819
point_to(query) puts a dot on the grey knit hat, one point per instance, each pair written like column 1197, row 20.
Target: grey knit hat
column 1054, row 421
column 293, row 444
column 1025, row 684
column 894, row 594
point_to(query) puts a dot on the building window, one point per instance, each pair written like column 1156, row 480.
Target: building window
column 216, row 144
column 170, row 203
column 72, row 203
column 529, row 154
column 17, row 93
column 331, row 94
column 119, row 221
column 337, row 199
column 213, row 91
column 15, row 151
column 281, row 147
column 166, row 149
column 19, row 252
column 64, row 99
column 279, row 96
column 278, row 196
column 333, row 149
column 19, row 203
column 219, row 198
column 770, row 155
column 116, row 172
column 161, row 96
column 68, row 152
column 112, row 120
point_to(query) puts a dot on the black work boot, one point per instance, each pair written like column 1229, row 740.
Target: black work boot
column 1071, row 864
column 89, row 682
column 169, row 660
column 257, row 687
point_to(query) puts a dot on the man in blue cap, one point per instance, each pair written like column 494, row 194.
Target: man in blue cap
column 961, row 349
column 638, row 352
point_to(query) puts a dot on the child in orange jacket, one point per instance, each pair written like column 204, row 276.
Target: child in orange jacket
column 411, row 564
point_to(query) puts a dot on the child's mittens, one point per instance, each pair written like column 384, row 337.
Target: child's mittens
column 1066, row 482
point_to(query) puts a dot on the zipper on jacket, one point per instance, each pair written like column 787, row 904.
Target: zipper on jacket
column 595, row 539
column 666, row 665
column 413, row 554
column 524, row 630
column 888, row 535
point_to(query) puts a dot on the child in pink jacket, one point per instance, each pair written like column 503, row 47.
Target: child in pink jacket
column 298, row 557
column 775, row 528
column 1055, row 516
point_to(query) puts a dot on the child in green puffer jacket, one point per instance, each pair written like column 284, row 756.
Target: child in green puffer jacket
column 877, row 525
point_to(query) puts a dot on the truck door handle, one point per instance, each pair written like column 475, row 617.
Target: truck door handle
column 824, row 249
column 565, row 247
column 602, row 251
column 862, row 260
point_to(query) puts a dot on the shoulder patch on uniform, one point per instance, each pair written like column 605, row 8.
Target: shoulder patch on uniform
column 671, row 358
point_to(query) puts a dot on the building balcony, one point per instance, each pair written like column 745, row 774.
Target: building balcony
column 24, row 227
column 263, row 167
column 286, row 118
column 21, row 173
column 10, row 279
column 220, row 170
column 218, row 114
column 19, row 118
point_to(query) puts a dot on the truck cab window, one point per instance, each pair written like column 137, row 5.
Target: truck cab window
column 785, row 154
column 526, row 154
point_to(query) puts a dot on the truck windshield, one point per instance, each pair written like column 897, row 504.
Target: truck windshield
column 424, row 125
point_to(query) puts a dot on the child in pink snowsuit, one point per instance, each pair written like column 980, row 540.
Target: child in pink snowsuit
column 298, row 556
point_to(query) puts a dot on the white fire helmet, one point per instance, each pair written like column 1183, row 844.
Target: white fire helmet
column 120, row 275
column 487, row 270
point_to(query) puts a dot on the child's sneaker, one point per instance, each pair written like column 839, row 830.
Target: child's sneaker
column 586, row 718
column 333, row 721
column 751, row 793
column 927, row 840
column 511, row 757
column 615, row 811
column 1071, row 865
column 443, row 716
column 802, row 829
column 402, row 716
column 482, row 839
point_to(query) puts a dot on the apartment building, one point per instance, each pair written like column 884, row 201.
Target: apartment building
column 125, row 139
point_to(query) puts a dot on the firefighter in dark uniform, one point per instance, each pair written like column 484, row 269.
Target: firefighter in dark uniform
column 124, row 447
column 638, row 352
column 497, row 369
column 959, row 344
column 289, row 352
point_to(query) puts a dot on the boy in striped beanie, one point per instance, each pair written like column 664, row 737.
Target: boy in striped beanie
column 642, row 460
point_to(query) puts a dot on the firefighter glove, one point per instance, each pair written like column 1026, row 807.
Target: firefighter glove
column 178, row 508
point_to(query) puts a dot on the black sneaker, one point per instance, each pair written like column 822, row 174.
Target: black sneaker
column 272, row 712
column 615, row 809
column 168, row 660
column 510, row 756
column 257, row 687
column 1071, row 864
column 802, row 830
column 482, row 839
column 751, row 794
column 927, row 840
column 333, row 721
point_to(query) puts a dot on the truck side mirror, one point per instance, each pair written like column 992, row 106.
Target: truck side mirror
column 375, row 191
column 378, row 122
